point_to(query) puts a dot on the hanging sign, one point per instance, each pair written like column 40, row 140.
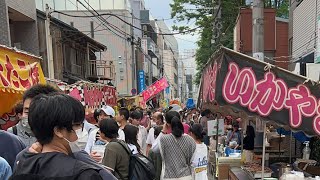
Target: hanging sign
column 154, row 89
column 263, row 90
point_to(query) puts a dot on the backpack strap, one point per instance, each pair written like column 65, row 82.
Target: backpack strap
column 121, row 177
column 15, row 130
column 129, row 153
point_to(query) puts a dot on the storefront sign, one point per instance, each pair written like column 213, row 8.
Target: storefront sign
column 18, row 72
column 142, row 81
column 154, row 89
column 260, row 89
column 212, row 127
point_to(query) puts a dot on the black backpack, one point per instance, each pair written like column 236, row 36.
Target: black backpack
column 140, row 167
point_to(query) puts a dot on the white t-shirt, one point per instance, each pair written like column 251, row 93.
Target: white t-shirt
column 200, row 162
column 121, row 135
column 91, row 139
column 150, row 138
column 88, row 126
column 142, row 138
column 133, row 148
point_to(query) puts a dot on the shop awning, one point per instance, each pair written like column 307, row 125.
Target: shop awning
column 261, row 89
column 18, row 71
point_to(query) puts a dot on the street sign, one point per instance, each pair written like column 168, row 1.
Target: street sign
column 133, row 91
column 142, row 81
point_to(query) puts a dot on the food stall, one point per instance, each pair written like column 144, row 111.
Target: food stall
column 19, row 70
column 235, row 81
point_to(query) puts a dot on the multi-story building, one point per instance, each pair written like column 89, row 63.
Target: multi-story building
column 305, row 46
column 113, row 30
column 18, row 20
column 170, row 57
column 188, row 59
column 151, row 60
column 182, row 81
column 275, row 37
column 73, row 52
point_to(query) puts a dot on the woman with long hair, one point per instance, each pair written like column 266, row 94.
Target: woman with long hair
column 200, row 157
column 131, row 133
column 248, row 144
column 176, row 149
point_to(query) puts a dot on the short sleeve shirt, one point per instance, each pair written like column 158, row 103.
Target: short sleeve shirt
column 116, row 158
column 150, row 138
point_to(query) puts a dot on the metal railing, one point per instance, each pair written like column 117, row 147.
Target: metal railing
column 101, row 69
column 76, row 69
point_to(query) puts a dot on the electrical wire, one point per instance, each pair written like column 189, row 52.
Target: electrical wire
column 164, row 34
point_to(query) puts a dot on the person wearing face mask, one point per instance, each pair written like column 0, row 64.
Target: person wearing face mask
column 54, row 119
column 95, row 145
column 22, row 128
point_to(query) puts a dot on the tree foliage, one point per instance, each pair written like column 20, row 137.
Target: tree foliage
column 200, row 12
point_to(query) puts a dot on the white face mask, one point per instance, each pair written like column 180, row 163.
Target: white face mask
column 73, row 146
column 25, row 123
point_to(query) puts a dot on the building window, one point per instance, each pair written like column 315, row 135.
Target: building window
column 92, row 29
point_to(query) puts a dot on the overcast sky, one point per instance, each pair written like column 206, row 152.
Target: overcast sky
column 160, row 9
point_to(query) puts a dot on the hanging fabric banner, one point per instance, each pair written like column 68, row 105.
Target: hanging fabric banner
column 263, row 90
column 18, row 72
column 154, row 89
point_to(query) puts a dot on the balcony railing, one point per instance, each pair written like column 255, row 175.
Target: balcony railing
column 100, row 69
column 76, row 69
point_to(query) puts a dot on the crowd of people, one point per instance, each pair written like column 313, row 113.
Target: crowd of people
column 53, row 140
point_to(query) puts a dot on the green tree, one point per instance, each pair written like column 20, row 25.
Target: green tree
column 200, row 12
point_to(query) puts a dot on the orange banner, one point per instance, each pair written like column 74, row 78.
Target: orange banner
column 18, row 72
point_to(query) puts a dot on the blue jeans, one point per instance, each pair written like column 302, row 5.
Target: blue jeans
column 5, row 169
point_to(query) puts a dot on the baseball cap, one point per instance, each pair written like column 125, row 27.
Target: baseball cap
column 109, row 111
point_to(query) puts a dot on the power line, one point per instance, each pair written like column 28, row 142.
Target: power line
column 104, row 20
column 109, row 14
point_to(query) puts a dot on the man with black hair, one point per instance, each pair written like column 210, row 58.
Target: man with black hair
column 54, row 120
column 94, row 139
column 11, row 145
column 205, row 117
column 122, row 120
column 18, row 109
column 136, row 117
column 22, row 129
column 37, row 147
column 159, row 120
column 116, row 158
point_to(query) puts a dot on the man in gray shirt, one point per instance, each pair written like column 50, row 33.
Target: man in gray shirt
column 22, row 129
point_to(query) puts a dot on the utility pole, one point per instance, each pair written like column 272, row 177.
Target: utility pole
column 217, row 25
column 49, row 44
column 134, row 74
column 258, row 29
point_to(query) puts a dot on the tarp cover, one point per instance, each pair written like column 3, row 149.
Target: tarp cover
column 261, row 89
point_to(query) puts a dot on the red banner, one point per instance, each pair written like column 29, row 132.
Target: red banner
column 93, row 96
column 154, row 89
